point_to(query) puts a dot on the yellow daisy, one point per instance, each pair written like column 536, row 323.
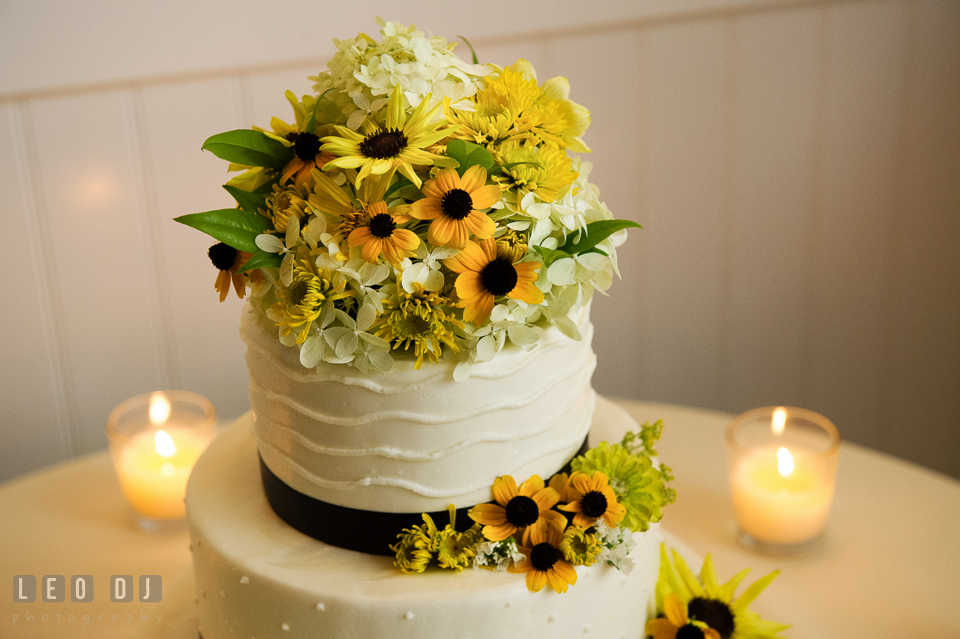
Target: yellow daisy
column 522, row 509
column 228, row 260
column 677, row 623
column 398, row 145
column 545, row 563
column 454, row 204
column 485, row 275
column 381, row 236
column 594, row 500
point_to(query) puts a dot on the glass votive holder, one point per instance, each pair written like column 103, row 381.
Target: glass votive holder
column 155, row 439
column 783, row 470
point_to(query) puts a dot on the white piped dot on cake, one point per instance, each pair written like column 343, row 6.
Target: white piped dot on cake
column 285, row 626
column 408, row 616
column 244, row 579
column 320, row 606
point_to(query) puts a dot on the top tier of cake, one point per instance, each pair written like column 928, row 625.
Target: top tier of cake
column 416, row 440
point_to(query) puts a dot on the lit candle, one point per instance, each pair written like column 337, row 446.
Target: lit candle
column 155, row 444
column 782, row 480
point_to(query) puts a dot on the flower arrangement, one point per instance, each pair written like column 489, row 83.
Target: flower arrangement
column 702, row 607
column 543, row 529
column 417, row 204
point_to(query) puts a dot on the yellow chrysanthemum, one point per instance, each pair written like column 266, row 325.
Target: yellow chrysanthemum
column 677, row 619
column 522, row 509
column 416, row 546
column 418, row 318
column 713, row 603
column 454, row 204
column 398, row 145
column 484, row 276
column 594, row 500
column 579, row 547
column 544, row 170
column 544, row 561
column 456, row 550
column 299, row 304
column 286, row 202
column 502, row 110
column 380, row 235
column 512, row 244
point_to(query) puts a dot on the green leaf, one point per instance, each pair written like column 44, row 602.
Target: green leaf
column 402, row 183
column 248, row 201
column 469, row 154
column 249, row 148
column 261, row 259
column 234, row 227
column 550, row 255
column 472, row 52
column 596, row 232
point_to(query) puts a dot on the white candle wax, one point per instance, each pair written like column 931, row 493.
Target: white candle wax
column 153, row 471
column 787, row 507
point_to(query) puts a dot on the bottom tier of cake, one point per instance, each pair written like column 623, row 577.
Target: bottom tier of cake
column 258, row 577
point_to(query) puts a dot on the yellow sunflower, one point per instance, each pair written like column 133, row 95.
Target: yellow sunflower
column 485, row 275
column 228, row 260
column 454, row 204
column 545, row 562
column 677, row 623
column 398, row 145
column 594, row 499
column 713, row 603
column 381, row 236
column 522, row 509
column 418, row 318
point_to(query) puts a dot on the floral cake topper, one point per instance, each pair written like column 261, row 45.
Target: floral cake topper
column 416, row 204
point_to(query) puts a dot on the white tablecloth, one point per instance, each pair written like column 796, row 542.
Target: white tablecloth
column 889, row 565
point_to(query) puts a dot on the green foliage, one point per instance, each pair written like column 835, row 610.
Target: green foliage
column 248, row 201
column 235, row 227
column 472, row 52
column 596, row 232
column 249, row 148
column 261, row 259
column 469, row 154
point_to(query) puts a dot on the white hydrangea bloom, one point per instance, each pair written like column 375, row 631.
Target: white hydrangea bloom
column 617, row 545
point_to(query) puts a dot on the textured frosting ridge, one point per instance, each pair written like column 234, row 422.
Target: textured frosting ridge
column 416, row 441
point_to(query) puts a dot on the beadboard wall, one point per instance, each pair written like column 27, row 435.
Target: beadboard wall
column 795, row 165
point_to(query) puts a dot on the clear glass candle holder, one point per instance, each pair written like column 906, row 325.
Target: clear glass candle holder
column 155, row 439
column 783, row 469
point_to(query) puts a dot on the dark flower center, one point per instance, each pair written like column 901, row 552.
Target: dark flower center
column 382, row 225
column 305, row 145
column 689, row 631
column 456, row 204
column 297, row 292
column 715, row 614
column 544, row 556
column 223, row 256
column 522, row 511
column 593, row 504
column 385, row 143
column 498, row 277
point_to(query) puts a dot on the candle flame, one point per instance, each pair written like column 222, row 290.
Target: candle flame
column 159, row 409
column 779, row 421
column 784, row 462
column 165, row 445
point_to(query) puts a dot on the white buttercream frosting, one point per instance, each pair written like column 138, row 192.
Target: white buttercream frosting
column 416, row 440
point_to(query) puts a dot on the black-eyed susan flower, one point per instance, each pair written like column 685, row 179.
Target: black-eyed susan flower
column 545, row 563
column 715, row 604
column 300, row 303
column 677, row 623
column 398, row 145
column 454, row 204
column 561, row 483
column 579, row 547
column 381, row 236
column 485, row 275
column 419, row 318
column 594, row 500
column 303, row 138
column 228, row 260
column 522, row 509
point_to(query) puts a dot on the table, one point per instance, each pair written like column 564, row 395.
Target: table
column 889, row 565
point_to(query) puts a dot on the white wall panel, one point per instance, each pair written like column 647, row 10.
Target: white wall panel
column 100, row 264
column 264, row 92
column 771, row 222
column 685, row 83
column 922, row 400
column 865, row 49
column 34, row 424
column 610, row 91
column 177, row 118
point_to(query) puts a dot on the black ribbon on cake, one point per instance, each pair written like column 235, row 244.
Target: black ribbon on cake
column 365, row 531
